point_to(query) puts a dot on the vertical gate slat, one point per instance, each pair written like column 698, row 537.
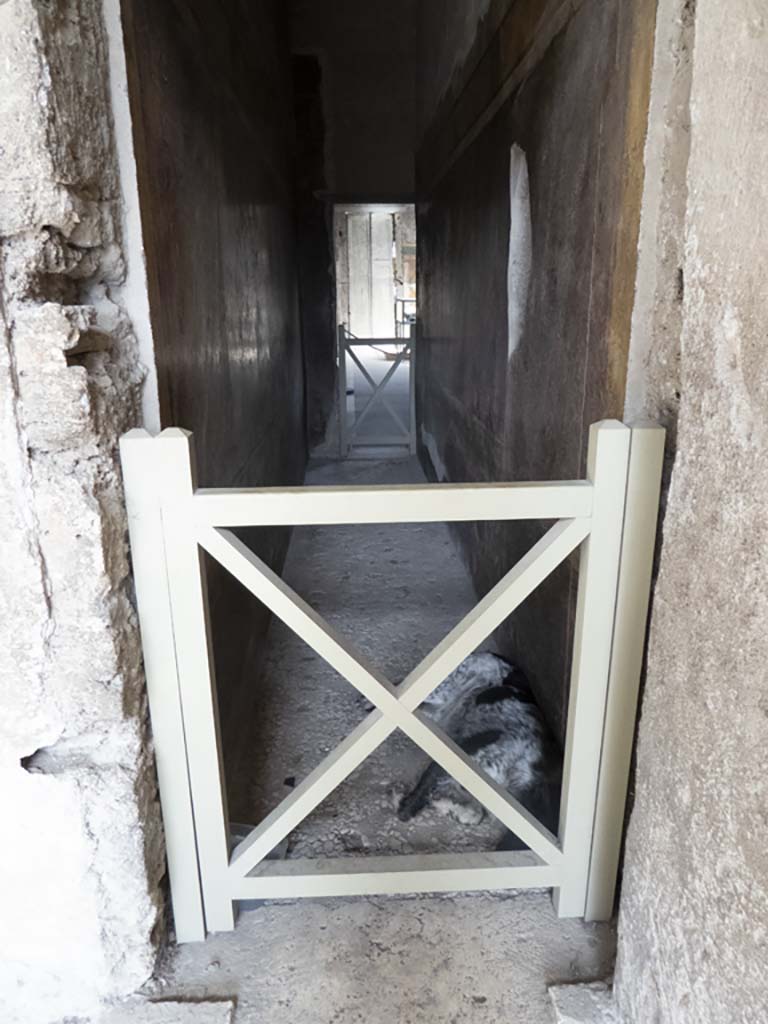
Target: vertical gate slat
column 342, row 400
column 598, row 578
column 189, row 606
column 412, row 389
column 642, row 509
column 140, row 477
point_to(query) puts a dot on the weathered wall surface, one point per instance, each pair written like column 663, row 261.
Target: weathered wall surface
column 81, row 856
column 358, row 128
column 367, row 52
column 314, row 223
column 456, row 36
column 211, row 95
column 499, row 399
column 693, row 942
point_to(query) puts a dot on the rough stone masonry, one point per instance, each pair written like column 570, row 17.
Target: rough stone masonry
column 81, row 854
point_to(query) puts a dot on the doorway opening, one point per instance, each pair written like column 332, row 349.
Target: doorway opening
column 251, row 371
column 376, row 315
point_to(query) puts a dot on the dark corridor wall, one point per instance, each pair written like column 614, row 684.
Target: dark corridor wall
column 213, row 122
column 314, row 223
column 368, row 56
column 575, row 101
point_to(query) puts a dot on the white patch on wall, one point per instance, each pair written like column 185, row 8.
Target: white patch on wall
column 434, row 455
column 520, row 248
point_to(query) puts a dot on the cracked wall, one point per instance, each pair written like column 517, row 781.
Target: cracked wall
column 692, row 936
column 81, row 857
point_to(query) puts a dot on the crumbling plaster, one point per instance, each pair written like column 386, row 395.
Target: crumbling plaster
column 81, row 857
column 692, row 938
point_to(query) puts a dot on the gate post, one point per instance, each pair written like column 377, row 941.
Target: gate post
column 646, row 458
column 607, row 462
column 412, row 391
column 197, row 682
column 138, row 454
column 341, row 348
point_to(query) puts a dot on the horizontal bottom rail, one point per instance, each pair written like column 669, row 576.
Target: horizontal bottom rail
column 384, row 441
column 394, row 875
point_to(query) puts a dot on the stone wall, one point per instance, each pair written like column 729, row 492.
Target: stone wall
column 693, row 943
column 529, row 183
column 81, row 855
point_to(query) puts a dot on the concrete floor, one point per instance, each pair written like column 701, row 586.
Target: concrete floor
column 415, row 960
column 395, row 591
column 422, row 960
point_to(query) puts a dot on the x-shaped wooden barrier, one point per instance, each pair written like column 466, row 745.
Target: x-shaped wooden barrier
column 396, row 707
column 378, row 392
column 611, row 515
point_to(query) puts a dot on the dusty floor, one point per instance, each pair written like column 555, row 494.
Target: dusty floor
column 418, row 960
column 395, row 591
column 423, row 960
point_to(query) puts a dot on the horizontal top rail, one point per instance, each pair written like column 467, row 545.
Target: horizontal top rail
column 408, row 503
column 354, row 340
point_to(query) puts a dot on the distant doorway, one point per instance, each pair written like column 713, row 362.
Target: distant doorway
column 375, row 249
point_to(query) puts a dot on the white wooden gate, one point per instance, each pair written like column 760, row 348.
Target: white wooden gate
column 402, row 433
column 610, row 516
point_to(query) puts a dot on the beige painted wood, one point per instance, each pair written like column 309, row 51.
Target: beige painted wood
column 189, row 608
column 403, row 503
column 310, row 792
column 400, row 441
column 646, row 458
column 341, row 399
column 369, row 876
column 489, row 793
column 137, row 453
column 616, row 515
column 462, row 640
column 607, row 461
column 353, row 340
column 254, row 574
column 412, row 391
column 534, row 567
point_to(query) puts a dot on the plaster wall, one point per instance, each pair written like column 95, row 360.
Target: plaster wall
column 81, row 856
column 453, row 36
column 367, row 52
column 362, row 115
column 211, row 97
column 563, row 89
column 314, row 229
column 692, row 942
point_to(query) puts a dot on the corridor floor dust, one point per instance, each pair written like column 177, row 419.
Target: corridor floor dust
column 394, row 591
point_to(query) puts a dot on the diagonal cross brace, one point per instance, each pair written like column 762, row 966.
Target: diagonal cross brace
column 378, row 391
column 395, row 706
